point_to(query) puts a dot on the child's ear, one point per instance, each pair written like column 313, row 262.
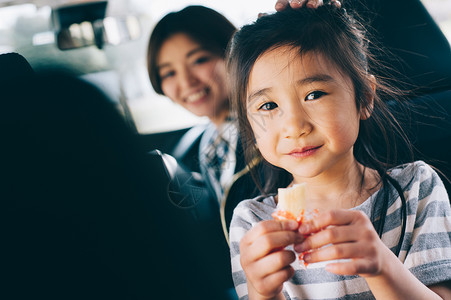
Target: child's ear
column 366, row 111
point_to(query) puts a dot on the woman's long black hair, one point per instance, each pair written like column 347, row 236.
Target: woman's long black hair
column 334, row 34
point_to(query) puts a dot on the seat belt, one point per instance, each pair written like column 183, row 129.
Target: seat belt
column 188, row 140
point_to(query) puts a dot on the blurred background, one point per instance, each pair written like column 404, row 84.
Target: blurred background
column 119, row 68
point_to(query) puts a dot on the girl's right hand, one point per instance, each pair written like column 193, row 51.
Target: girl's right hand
column 264, row 259
column 282, row 4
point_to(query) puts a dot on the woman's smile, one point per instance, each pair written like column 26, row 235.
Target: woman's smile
column 194, row 77
column 198, row 97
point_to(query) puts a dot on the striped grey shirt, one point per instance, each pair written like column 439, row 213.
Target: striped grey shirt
column 426, row 249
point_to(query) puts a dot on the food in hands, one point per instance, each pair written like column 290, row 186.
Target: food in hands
column 291, row 206
column 291, row 203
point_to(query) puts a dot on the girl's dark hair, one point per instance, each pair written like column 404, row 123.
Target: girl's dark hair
column 338, row 37
column 204, row 25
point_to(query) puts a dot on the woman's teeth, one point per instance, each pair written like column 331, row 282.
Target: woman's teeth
column 196, row 96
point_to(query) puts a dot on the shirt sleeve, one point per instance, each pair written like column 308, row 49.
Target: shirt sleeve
column 429, row 254
column 238, row 227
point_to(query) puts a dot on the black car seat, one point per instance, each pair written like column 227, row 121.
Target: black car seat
column 14, row 65
column 84, row 212
column 408, row 40
column 418, row 56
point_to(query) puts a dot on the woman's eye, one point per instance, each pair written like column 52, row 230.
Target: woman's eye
column 167, row 74
column 201, row 60
column 268, row 106
column 314, row 95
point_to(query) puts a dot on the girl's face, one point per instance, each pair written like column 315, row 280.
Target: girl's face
column 193, row 77
column 303, row 113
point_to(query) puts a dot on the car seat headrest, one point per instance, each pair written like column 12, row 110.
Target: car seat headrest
column 13, row 65
column 409, row 42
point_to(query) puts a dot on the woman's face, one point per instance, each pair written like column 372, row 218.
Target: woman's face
column 193, row 77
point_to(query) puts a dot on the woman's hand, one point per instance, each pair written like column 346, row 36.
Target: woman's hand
column 344, row 234
column 264, row 258
column 282, row 4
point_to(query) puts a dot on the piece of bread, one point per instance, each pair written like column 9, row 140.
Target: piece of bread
column 291, row 206
column 292, row 199
column 291, row 202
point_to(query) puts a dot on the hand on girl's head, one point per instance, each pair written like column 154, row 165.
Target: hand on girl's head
column 263, row 258
column 344, row 234
column 282, row 4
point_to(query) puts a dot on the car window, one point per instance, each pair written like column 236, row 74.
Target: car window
column 120, row 70
column 440, row 10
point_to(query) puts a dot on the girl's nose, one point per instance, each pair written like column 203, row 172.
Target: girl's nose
column 295, row 122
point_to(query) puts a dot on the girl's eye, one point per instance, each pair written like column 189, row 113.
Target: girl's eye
column 314, row 95
column 268, row 106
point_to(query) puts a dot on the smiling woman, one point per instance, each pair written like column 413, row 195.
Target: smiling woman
column 186, row 60
column 186, row 63
column 146, row 112
column 183, row 61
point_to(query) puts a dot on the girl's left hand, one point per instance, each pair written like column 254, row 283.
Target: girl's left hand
column 344, row 234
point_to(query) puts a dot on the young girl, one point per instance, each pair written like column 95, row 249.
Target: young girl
column 308, row 104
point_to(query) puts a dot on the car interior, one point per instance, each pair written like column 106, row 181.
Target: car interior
column 85, row 212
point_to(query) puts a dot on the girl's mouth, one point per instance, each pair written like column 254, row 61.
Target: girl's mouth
column 304, row 152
